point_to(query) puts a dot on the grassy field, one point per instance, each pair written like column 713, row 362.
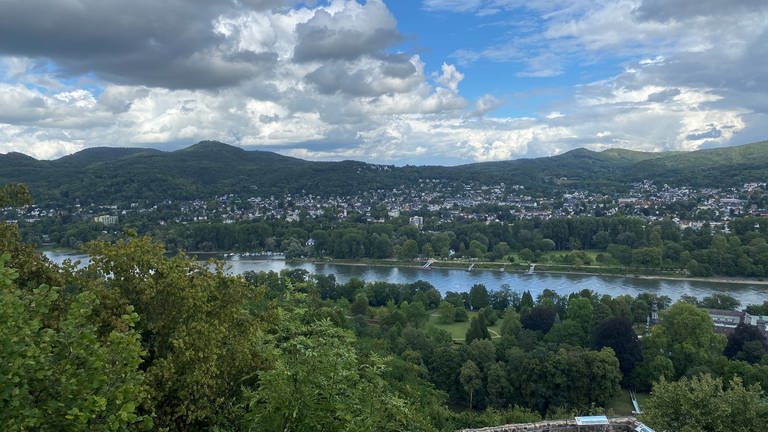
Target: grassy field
column 621, row 404
column 459, row 329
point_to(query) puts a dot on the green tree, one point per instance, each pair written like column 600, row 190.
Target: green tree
column 201, row 328
column 686, row 336
column 319, row 382
column 702, row 403
column 500, row 250
column 510, row 329
column 58, row 372
column 618, row 334
column 498, row 386
column 14, row 195
column 409, row 250
column 526, row 255
column 471, row 379
column 720, row 301
column 746, row 343
column 478, row 297
column 445, row 312
column 567, row 332
column 526, row 302
column 360, row 305
column 477, row 330
column 581, row 310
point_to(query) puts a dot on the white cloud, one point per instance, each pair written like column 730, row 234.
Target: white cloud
column 487, row 103
column 324, row 81
column 450, row 77
column 555, row 115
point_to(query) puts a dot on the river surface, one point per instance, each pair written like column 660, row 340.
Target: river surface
column 460, row 280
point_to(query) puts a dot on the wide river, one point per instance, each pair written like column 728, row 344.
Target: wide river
column 460, row 280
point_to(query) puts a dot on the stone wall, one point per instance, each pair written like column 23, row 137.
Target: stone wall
column 617, row 424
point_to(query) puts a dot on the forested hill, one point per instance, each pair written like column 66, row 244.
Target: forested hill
column 106, row 175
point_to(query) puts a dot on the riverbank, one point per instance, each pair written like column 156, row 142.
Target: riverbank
column 540, row 268
column 511, row 268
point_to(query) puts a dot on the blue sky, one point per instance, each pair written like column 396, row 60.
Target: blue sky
column 419, row 82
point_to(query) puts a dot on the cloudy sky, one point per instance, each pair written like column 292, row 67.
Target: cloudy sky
column 394, row 81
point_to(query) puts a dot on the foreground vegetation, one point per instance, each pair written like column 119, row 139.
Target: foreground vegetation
column 140, row 341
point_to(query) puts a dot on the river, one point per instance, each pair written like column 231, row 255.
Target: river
column 460, row 280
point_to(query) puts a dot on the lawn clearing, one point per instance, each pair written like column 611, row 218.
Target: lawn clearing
column 458, row 330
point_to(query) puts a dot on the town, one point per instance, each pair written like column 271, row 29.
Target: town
column 439, row 200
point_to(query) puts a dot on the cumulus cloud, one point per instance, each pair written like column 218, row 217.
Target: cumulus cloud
column 346, row 32
column 158, row 43
column 325, row 80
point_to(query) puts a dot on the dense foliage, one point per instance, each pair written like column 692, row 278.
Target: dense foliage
column 138, row 340
column 704, row 403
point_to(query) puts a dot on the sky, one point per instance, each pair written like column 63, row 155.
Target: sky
column 419, row 82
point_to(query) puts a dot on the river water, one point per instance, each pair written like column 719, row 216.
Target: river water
column 460, row 280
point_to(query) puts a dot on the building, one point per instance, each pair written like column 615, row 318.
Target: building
column 726, row 321
column 416, row 220
column 106, row 219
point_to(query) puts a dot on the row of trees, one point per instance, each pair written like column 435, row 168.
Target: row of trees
column 619, row 241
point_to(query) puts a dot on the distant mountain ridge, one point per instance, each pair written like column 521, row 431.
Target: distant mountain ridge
column 109, row 174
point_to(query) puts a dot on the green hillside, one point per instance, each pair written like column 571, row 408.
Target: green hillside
column 105, row 174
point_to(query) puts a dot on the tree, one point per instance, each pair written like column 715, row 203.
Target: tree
column 477, row 330
column 201, row 328
column 500, row 250
column 510, row 329
column 409, row 250
column 686, row 336
column 526, row 255
column 445, row 313
column 501, row 299
column 478, row 297
column 58, row 371
column 470, row 378
column 539, row 319
column 701, row 403
column 567, row 332
column 618, row 334
column 746, row 343
column 580, row 310
column 319, row 382
column 719, row 301
column 14, row 195
column 360, row 305
column 498, row 386
column 526, row 302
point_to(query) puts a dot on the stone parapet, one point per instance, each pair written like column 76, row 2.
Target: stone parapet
column 616, row 424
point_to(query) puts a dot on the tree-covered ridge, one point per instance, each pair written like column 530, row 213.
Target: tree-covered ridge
column 104, row 175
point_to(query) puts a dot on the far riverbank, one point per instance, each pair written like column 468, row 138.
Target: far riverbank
column 543, row 269
column 513, row 268
column 452, row 276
